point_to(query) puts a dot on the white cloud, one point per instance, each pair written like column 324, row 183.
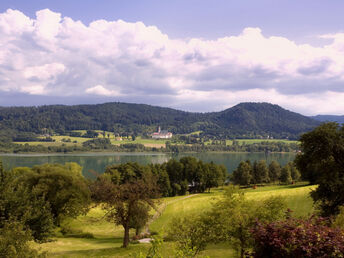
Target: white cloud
column 100, row 90
column 53, row 55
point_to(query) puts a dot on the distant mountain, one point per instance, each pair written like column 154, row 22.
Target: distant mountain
column 329, row 118
column 245, row 120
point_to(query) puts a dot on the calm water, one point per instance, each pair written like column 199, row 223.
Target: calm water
column 98, row 162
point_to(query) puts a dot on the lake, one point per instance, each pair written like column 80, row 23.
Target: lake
column 98, row 161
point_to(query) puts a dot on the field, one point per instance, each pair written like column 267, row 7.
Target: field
column 71, row 141
column 108, row 237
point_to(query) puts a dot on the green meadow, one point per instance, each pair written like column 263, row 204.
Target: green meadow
column 107, row 238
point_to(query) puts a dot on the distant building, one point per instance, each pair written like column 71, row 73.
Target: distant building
column 161, row 134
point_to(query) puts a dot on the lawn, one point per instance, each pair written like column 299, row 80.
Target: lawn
column 107, row 239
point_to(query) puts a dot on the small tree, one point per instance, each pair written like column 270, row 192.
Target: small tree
column 274, row 171
column 242, row 175
column 123, row 200
column 231, row 218
column 286, row 175
column 262, row 172
column 191, row 234
column 294, row 172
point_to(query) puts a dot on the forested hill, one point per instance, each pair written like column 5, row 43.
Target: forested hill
column 246, row 120
column 329, row 118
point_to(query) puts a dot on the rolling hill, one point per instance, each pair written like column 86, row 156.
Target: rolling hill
column 245, row 120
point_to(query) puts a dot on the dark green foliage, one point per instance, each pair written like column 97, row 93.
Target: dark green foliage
column 297, row 238
column 248, row 120
column 243, row 174
column 274, row 171
column 140, row 218
column 294, row 172
column 62, row 186
column 19, row 204
column 286, row 175
column 261, row 172
column 322, row 162
column 126, row 191
column 14, row 240
column 97, row 144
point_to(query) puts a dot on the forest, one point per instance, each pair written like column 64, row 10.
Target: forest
column 245, row 120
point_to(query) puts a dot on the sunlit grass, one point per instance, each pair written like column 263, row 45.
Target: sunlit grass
column 107, row 239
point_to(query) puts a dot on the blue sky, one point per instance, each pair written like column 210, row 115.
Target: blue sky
column 187, row 54
column 298, row 20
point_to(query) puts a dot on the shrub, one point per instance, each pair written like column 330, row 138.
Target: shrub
column 298, row 238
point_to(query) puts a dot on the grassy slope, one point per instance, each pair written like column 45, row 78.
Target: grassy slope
column 108, row 237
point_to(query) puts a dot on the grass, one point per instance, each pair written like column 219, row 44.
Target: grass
column 107, row 239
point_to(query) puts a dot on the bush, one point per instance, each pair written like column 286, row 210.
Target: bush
column 14, row 240
column 298, row 238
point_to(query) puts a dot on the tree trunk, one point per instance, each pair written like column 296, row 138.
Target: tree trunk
column 126, row 236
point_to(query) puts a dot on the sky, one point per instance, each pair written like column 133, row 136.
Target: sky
column 193, row 55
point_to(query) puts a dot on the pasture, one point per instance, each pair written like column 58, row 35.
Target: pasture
column 107, row 239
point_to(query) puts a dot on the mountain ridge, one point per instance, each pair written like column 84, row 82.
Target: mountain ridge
column 244, row 120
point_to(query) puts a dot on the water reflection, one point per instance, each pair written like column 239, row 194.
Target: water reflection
column 98, row 161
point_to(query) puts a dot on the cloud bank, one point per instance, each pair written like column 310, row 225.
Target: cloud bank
column 54, row 58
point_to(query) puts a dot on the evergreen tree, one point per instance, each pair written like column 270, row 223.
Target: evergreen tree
column 286, row 174
column 274, row 171
column 262, row 172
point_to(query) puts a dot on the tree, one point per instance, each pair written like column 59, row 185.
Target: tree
column 322, row 162
column 191, row 234
column 262, row 172
column 125, row 198
column 140, row 217
column 286, row 174
column 14, row 241
column 274, row 171
column 231, row 218
column 19, row 204
column 294, row 172
column 242, row 175
column 62, row 186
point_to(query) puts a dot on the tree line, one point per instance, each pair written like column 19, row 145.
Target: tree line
column 260, row 173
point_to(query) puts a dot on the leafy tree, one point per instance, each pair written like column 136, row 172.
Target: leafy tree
column 242, row 175
column 140, row 217
column 19, row 204
column 231, row 218
column 62, row 186
column 322, row 162
column 191, row 234
column 294, row 172
column 274, row 171
column 123, row 200
column 14, row 241
column 261, row 172
column 286, row 174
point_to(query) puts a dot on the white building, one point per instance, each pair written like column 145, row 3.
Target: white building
column 161, row 134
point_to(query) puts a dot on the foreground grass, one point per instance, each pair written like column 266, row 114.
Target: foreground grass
column 107, row 239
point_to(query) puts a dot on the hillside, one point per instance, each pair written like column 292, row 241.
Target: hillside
column 245, row 120
column 329, row 118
